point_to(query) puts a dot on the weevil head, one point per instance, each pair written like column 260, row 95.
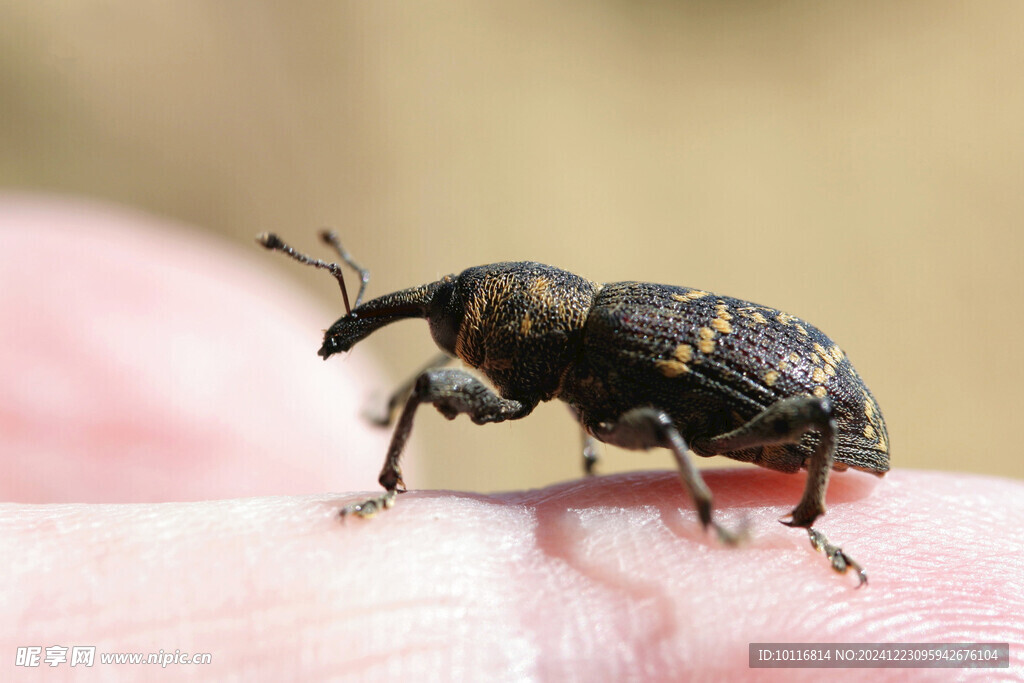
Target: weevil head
column 518, row 323
column 445, row 313
column 441, row 303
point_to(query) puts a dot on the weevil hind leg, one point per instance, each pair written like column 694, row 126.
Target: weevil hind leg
column 646, row 428
column 452, row 392
column 785, row 422
column 840, row 561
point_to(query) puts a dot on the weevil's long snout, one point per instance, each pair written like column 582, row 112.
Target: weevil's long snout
column 329, row 348
column 349, row 330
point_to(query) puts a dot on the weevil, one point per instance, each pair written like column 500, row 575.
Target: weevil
column 640, row 365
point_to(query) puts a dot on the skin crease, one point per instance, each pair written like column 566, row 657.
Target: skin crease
column 609, row 578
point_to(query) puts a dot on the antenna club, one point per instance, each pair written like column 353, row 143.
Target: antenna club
column 269, row 240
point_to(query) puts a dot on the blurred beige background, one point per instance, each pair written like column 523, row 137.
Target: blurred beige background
column 859, row 166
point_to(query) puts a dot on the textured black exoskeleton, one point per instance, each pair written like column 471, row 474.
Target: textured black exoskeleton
column 641, row 366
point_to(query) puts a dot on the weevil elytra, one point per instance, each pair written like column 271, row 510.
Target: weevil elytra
column 640, row 365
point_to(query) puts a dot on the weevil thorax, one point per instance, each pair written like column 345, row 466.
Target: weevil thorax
column 518, row 323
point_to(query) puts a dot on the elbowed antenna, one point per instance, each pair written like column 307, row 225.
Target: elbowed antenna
column 329, row 238
column 271, row 241
column 364, row 319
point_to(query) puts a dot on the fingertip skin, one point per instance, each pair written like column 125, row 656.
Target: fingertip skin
column 593, row 579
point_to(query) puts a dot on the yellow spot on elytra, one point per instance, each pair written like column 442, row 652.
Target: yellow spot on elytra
column 837, row 353
column 672, row 368
column 678, row 364
column 785, row 318
column 874, row 429
column 707, row 339
column 721, row 325
column 692, row 295
column 770, row 377
column 830, row 371
column 825, row 355
column 818, row 375
column 801, row 329
column 814, row 359
column 783, row 364
column 793, row 357
column 722, row 311
column 525, row 325
column 752, row 313
column 820, row 392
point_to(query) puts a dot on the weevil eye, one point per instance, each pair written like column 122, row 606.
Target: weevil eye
column 445, row 315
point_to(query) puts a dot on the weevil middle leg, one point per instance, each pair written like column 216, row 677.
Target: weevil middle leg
column 588, row 444
column 590, row 454
column 646, row 428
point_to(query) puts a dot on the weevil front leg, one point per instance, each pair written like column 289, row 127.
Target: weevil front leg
column 786, row 421
column 452, row 392
column 646, row 428
column 383, row 417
